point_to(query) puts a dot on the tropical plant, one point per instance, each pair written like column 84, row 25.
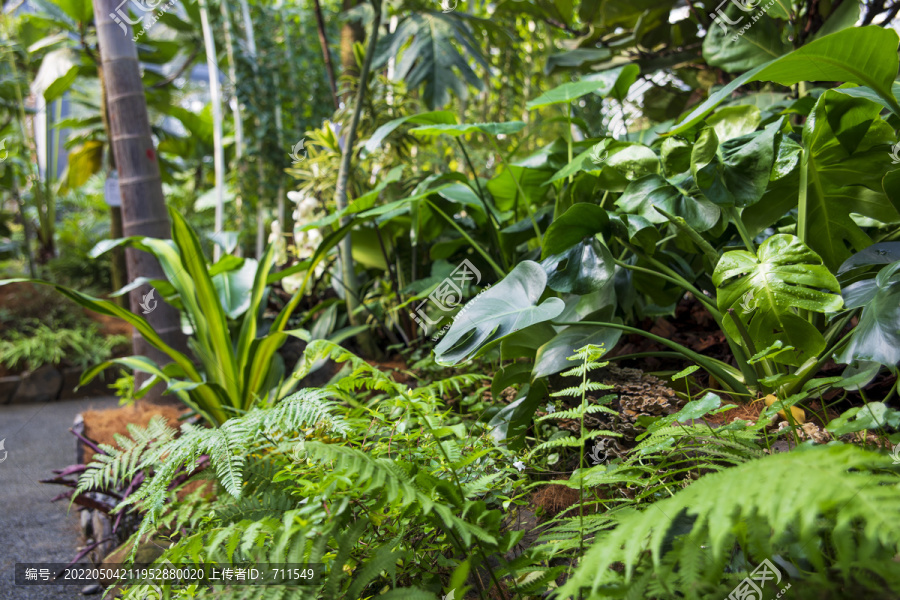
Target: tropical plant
column 222, row 306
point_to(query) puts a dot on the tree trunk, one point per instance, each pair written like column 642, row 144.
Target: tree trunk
column 351, row 284
column 260, row 211
column 143, row 204
column 351, row 32
column 326, row 53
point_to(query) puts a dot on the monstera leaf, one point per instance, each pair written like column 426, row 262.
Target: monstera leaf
column 432, row 58
column 766, row 291
column 509, row 306
column 877, row 336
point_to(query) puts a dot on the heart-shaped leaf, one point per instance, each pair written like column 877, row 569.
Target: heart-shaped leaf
column 642, row 195
column 582, row 220
column 582, row 269
column 553, row 356
column 508, row 306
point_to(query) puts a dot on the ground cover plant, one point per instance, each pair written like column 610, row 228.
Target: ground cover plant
column 516, row 300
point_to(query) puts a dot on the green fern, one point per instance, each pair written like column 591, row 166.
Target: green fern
column 834, row 502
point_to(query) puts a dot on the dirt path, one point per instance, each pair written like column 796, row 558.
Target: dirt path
column 32, row 529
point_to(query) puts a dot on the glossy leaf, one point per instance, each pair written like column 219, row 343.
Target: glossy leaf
column 642, row 195
column 757, row 45
column 581, row 221
column 508, row 306
column 767, row 289
column 553, row 356
column 581, row 269
column 877, row 336
column 863, row 55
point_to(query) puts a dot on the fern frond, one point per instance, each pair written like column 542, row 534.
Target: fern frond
column 572, row 441
column 577, row 412
column 814, row 497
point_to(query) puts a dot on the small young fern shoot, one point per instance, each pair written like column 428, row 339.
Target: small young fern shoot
column 589, row 356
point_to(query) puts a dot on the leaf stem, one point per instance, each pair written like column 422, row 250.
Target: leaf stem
column 491, row 217
column 499, row 152
column 742, row 229
column 714, row 367
column 475, row 245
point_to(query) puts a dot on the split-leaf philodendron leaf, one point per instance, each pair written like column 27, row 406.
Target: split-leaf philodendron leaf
column 768, row 291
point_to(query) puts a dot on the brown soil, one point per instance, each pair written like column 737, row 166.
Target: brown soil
column 100, row 426
column 110, row 325
column 554, row 498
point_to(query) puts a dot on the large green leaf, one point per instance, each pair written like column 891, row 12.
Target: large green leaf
column 234, row 287
column 768, row 289
column 877, row 336
column 553, row 356
column 582, row 220
column 736, row 53
column 602, row 84
column 864, row 55
column 846, row 144
column 734, row 121
column 506, row 193
column 735, row 172
column 425, row 46
column 581, row 269
column 507, row 307
column 642, row 195
column 79, row 10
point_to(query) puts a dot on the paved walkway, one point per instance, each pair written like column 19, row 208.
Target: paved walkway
column 32, row 529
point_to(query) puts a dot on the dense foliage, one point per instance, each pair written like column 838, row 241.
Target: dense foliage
column 576, row 300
